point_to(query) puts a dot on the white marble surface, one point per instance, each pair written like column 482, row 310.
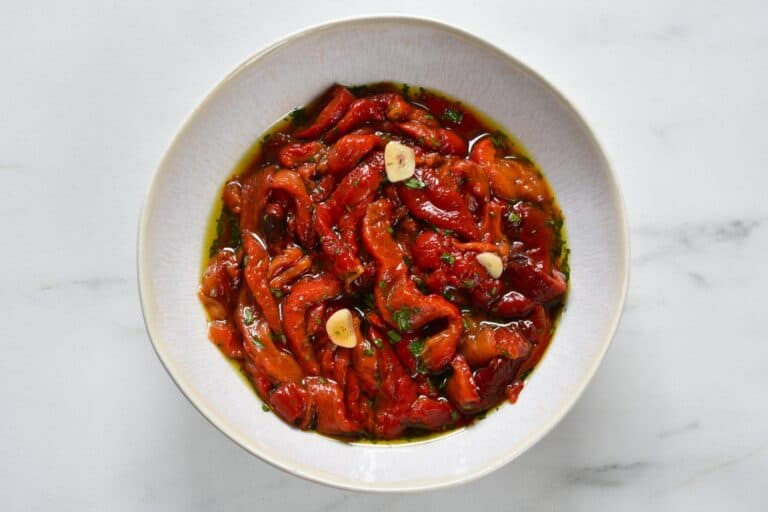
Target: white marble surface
column 91, row 94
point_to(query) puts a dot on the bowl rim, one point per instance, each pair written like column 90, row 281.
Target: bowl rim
column 144, row 286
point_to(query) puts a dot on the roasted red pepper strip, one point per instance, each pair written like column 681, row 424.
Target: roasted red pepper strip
column 292, row 184
column 294, row 155
column 218, row 289
column 349, row 150
column 276, row 365
column 510, row 179
column 400, row 295
column 340, row 100
column 305, row 294
column 352, row 195
column 360, row 112
column 256, row 276
column 436, row 139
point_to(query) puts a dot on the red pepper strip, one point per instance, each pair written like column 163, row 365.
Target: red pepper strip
column 513, row 304
column 292, row 184
column 284, row 260
column 361, row 111
column 420, row 205
column 254, row 198
column 352, row 196
column 306, row 294
column 400, row 293
column 365, row 364
column 461, row 389
column 225, row 336
column 256, row 276
column 218, row 288
column 398, row 109
column 291, row 274
column 326, row 400
column 289, row 401
column 359, row 409
column 510, row 179
column 431, row 413
column 445, row 141
column 277, row 365
column 349, row 150
column 481, row 346
column 537, row 328
column 317, row 400
column 396, row 395
column 232, row 196
column 296, row 154
column 530, row 267
column 340, row 100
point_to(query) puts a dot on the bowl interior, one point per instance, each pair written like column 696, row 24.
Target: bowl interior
column 287, row 75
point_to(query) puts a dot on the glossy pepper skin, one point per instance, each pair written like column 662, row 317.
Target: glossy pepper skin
column 320, row 228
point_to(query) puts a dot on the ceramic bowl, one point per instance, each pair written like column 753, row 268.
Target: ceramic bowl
column 186, row 185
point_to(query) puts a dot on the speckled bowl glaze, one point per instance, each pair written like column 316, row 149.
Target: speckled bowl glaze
column 288, row 74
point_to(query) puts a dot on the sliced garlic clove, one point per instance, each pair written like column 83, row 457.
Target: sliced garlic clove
column 341, row 328
column 399, row 161
column 492, row 263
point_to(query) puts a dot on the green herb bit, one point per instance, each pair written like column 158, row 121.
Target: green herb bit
column 448, row 258
column 453, row 115
column 258, row 343
column 390, row 230
column 382, row 284
column 454, row 415
column 298, row 116
column 416, row 347
column 393, row 336
column 265, row 408
column 377, row 342
column 499, row 139
column 247, row 316
column 402, row 318
column 367, row 352
column 513, row 217
column 414, row 183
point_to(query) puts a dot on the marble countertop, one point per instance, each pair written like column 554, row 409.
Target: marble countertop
column 91, row 95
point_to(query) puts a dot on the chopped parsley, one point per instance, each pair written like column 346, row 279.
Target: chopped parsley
column 377, row 342
column 265, row 408
column 402, row 318
column 258, row 343
column 367, row 352
column 453, row 115
column 298, row 116
column 448, row 258
column 393, row 336
column 414, row 183
column 415, row 347
column 499, row 139
column 382, row 284
column 454, row 415
column 247, row 316
column 513, row 217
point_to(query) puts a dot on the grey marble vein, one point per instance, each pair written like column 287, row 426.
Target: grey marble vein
column 606, row 475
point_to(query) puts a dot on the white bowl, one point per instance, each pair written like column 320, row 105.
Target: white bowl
column 288, row 74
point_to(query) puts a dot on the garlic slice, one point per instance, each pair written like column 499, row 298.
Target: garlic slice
column 399, row 161
column 492, row 263
column 341, row 328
